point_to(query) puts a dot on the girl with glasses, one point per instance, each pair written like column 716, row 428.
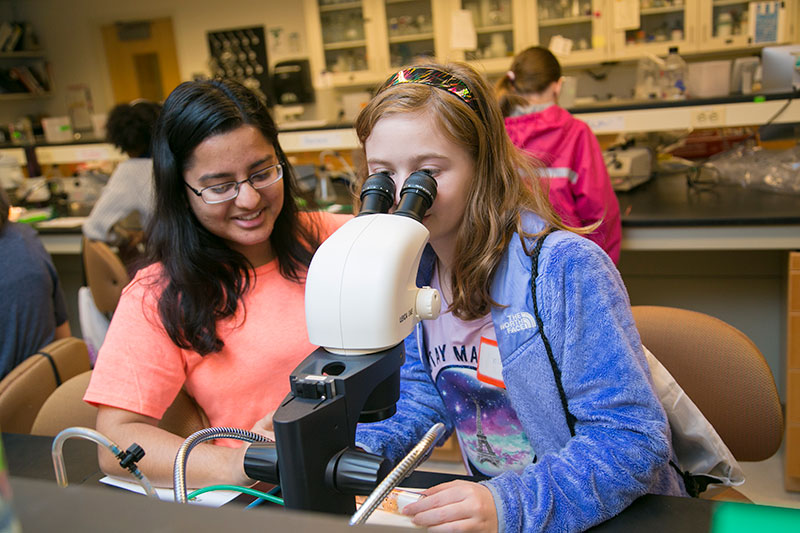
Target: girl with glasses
column 220, row 309
column 563, row 429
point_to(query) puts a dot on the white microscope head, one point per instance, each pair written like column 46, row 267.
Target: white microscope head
column 361, row 293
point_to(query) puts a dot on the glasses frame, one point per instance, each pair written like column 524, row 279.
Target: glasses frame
column 238, row 184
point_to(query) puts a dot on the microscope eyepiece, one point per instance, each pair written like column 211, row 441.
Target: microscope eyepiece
column 417, row 195
column 377, row 194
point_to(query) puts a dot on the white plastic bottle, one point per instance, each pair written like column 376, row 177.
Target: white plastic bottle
column 675, row 76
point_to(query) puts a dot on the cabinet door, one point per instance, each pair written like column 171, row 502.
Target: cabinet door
column 410, row 32
column 662, row 24
column 344, row 39
column 583, row 22
column 725, row 24
column 500, row 29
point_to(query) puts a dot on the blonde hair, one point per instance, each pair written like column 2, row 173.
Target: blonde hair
column 505, row 182
column 531, row 72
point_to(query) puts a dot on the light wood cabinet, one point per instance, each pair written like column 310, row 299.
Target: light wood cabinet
column 359, row 43
column 792, row 458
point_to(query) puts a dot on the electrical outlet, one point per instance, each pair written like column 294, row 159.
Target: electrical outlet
column 708, row 117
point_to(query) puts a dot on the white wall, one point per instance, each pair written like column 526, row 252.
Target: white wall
column 70, row 33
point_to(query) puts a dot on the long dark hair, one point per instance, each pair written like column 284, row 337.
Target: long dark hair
column 203, row 279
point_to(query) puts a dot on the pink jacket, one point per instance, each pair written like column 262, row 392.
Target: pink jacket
column 580, row 189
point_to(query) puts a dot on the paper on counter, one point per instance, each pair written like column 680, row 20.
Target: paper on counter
column 397, row 499
column 62, row 222
column 215, row 498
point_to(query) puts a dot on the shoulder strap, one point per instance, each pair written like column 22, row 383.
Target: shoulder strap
column 540, row 324
column 53, row 365
column 695, row 484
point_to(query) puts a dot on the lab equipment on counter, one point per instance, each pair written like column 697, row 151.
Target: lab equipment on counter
column 361, row 303
column 628, row 167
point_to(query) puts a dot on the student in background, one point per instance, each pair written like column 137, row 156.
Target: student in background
column 565, row 434
column 220, row 308
column 130, row 188
column 33, row 312
column 580, row 189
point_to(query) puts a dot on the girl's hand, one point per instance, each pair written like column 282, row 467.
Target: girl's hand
column 455, row 506
column 262, row 427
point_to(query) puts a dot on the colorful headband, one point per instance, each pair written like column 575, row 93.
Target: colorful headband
column 434, row 78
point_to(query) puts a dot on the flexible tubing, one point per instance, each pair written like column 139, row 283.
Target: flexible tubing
column 97, row 438
column 179, row 468
column 398, row 474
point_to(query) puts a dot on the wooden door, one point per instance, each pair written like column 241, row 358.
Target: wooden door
column 141, row 59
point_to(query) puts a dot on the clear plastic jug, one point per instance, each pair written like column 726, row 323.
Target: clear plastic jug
column 674, row 78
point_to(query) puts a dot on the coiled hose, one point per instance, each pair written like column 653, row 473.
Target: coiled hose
column 179, row 468
column 100, row 439
column 398, row 474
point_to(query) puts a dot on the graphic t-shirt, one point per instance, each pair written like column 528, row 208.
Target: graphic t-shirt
column 491, row 436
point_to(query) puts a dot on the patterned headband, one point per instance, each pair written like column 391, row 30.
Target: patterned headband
column 434, row 78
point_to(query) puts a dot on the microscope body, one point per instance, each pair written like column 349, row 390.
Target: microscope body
column 361, row 303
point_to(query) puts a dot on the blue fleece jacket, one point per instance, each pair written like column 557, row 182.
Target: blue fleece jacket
column 621, row 448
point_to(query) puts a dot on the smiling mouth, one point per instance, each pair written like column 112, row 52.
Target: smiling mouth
column 251, row 216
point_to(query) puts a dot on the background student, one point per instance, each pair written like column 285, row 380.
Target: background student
column 129, row 190
column 220, row 309
column 33, row 313
column 566, row 439
column 580, row 189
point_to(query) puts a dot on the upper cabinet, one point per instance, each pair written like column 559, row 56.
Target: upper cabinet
column 342, row 34
column 725, row 24
column 662, row 25
column 361, row 42
column 410, row 31
column 581, row 25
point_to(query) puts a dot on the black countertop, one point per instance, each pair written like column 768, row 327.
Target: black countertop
column 669, row 200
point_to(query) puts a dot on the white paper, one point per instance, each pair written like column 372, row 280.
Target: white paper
column 765, row 22
column 462, row 31
column 626, row 15
column 62, row 222
column 216, row 498
column 560, row 46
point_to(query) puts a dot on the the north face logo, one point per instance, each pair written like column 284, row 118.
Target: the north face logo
column 518, row 322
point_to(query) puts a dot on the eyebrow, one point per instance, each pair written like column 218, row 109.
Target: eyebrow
column 253, row 166
column 415, row 160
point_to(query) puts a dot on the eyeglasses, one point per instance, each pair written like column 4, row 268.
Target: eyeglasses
column 223, row 192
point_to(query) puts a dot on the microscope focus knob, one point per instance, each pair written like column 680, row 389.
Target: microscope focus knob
column 428, row 303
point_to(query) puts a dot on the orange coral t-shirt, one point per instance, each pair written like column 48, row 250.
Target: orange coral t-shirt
column 140, row 369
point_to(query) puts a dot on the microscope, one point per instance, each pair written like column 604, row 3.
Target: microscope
column 361, row 303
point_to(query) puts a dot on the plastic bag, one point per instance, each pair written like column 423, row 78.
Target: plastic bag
column 752, row 166
column 94, row 324
column 699, row 450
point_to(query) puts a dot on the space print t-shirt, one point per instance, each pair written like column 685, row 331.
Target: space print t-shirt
column 491, row 436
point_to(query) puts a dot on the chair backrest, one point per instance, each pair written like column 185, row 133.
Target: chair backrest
column 65, row 408
column 26, row 388
column 722, row 371
column 105, row 274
